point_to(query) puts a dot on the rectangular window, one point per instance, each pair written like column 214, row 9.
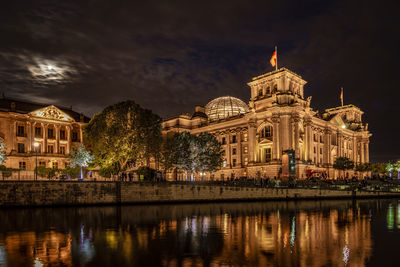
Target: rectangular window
column 20, row 131
column 21, row 148
column 62, row 135
column 260, row 92
column 234, row 163
column 333, row 140
column 38, row 132
column 233, row 151
column 315, row 150
column 315, row 160
column 320, row 139
column 50, row 149
column 223, row 141
column 315, row 138
column 245, row 137
column 320, row 151
column 22, row 165
column 55, row 165
column 42, row 163
column 246, row 161
column 234, row 139
column 50, row 133
column 62, row 150
column 268, row 131
column 224, row 164
column 245, row 149
column 268, row 154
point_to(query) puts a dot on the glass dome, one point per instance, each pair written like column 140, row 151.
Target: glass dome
column 225, row 107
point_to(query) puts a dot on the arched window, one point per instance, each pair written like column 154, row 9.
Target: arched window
column 260, row 92
column 268, row 90
column 275, row 88
column 266, row 132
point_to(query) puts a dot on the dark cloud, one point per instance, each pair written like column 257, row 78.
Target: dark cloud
column 172, row 55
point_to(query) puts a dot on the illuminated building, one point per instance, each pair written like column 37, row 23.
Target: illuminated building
column 256, row 137
column 55, row 129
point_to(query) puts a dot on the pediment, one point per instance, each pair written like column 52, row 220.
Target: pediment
column 51, row 113
column 337, row 120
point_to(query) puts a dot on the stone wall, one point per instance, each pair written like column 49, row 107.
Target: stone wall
column 96, row 193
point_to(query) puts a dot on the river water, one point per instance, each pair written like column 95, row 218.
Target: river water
column 302, row 233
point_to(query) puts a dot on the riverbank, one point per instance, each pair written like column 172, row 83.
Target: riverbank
column 55, row 193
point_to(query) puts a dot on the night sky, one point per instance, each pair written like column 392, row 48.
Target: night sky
column 171, row 55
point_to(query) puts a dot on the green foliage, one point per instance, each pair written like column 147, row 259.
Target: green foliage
column 73, row 172
column 79, row 156
column 363, row 167
column 3, row 155
column 343, row 163
column 46, row 172
column 393, row 168
column 108, row 172
column 379, row 168
column 6, row 172
column 124, row 133
column 199, row 153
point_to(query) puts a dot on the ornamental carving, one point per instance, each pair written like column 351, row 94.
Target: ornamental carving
column 51, row 112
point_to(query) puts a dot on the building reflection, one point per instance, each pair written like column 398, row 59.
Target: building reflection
column 256, row 234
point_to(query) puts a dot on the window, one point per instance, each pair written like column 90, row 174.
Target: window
column 245, row 137
column 275, row 88
column 38, row 132
column 38, row 149
column 50, row 133
column 55, row 165
column 223, row 140
column 234, row 163
column 315, row 138
column 320, row 139
column 245, row 149
column 50, row 149
column 315, row 150
column 268, row 155
column 21, row 131
column 246, row 161
column 42, row 163
column 22, row 165
column 62, row 150
column 333, row 140
column 315, row 160
column 268, row 90
column 62, row 135
column 224, row 164
column 260, row 92
column 320, row 150
column 266, row 132
column 21, row 148
column 233, row 138
column 233, row 151
column 320, row 160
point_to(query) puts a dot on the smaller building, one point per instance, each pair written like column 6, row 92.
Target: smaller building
column 55, row 129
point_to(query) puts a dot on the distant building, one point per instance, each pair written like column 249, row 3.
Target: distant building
column 55, row 129
column 277, row 119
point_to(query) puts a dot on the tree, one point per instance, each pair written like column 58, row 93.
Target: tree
column 379, row 168
column 3, row 155
column 393, row 168
column 343, row 163
column 124, row 134
column 81, row 157
column 363, row 167
column 194, row 153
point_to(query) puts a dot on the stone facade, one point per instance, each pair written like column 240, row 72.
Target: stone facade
column 278, row 118
column 56, row 130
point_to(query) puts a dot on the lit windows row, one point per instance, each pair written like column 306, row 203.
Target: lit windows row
column 50, row 149
column 234, row 139
column 50, row 133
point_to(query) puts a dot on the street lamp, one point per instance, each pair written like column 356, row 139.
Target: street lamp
column 36, row 145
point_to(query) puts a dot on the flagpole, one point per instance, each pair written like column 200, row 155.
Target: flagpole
column 341, row 96
column 276, row 52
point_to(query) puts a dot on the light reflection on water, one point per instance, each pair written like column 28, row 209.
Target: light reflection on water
column 320, row 233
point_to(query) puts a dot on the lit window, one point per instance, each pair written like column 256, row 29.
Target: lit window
column 224, row 164
column 268, row 154
column 55, row 165
column 22, row 165
column 245, row 149
column 62, row 150
column 245, row 137
column 50, row 149
column 234, row 162
column 246, row 161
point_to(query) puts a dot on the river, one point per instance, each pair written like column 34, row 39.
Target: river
column 292, row 233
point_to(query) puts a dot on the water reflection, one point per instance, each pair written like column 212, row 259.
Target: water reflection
column 326, row 233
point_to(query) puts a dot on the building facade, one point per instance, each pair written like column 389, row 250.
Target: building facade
column 55, row 130
column 257, row 136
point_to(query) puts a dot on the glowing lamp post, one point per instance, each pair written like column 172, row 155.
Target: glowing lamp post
column 36, row 145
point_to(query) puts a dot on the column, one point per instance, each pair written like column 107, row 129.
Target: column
column 307, row 139
column 228, row 149
column 339, row 144
column 68, row 149
column 367, row 151
column 355, row 159
column 29, row 135
column 297, row 137
column 251, row 137
column 275, row 137
column 285, row 135
column 239, row 147
column 327, row 146
column 80, row 134
column 14, row 136
column 45, row 138
column 57, row 129
column 362, row 151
